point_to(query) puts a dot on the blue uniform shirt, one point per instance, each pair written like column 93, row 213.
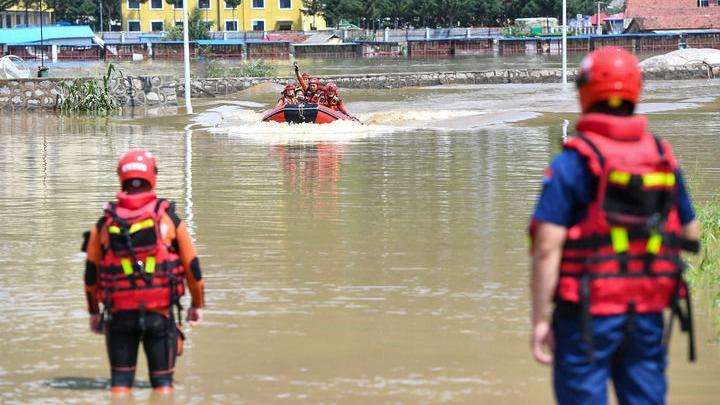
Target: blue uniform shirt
column 569, row 188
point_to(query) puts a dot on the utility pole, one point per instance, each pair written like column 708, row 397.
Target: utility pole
column 599, row 27
column 101, row 15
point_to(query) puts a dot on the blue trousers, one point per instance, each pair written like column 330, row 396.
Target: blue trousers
column 631, row 354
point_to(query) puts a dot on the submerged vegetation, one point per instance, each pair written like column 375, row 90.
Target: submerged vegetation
column 89, row 96
column 251, row 68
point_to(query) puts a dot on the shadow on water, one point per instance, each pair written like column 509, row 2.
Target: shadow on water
column 87, row 383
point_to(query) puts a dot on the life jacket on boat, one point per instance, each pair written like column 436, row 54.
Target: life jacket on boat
column 624, row 256
column 282, row 101
column 138, row 271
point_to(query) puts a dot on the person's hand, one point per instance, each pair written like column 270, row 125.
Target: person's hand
column 94, row 324
column 296, row 67
column 541, row 338
column 194, row 316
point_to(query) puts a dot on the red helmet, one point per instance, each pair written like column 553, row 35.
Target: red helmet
column 331, row 88
column 306, row 76
column 137, row 164
column 609, row 73
column 290, row 87
column 315, row 81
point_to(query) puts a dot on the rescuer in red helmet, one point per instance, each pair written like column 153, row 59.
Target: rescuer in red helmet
column 331, row 99
column 607, row 231
column 312, row 86
column 288, row 95
column 139, row 259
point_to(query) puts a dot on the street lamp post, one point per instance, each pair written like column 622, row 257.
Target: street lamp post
column 186, row 49
column 564, row 43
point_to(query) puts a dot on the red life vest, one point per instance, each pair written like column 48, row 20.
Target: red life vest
column 138, row 270
column 624, row 256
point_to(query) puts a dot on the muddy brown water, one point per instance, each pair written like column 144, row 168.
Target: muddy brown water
column 383, row 263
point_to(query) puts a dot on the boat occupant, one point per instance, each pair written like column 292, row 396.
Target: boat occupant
column 311, row 85
column 610, row 223
column 288, row 95
column 300, row 96
column 331, row 99
column 139, row 256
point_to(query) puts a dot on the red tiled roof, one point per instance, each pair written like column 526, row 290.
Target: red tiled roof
column 594, row 18
column 673, row 14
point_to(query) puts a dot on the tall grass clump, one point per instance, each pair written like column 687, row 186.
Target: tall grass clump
column 251, row 68
column 705, row 268
column 88, row 96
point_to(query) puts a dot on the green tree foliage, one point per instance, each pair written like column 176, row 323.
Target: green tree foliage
column 440, row 13
column 199, row 29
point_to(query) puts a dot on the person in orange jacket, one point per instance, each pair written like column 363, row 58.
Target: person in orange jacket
column 312, row 86
column 139, row 259
column 331, row 100
column 288, row 96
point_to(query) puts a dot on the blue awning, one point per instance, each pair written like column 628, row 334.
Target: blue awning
column 12, row 36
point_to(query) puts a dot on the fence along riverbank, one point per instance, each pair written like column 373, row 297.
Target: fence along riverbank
column 132, row 46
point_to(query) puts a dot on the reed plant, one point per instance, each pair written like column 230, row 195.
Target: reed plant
column 89, row 96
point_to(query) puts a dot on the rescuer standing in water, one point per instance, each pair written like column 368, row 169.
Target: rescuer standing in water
column 139, row 254
column 610, row 222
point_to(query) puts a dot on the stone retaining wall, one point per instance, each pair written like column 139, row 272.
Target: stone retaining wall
column 224, row 86
column 30, row 94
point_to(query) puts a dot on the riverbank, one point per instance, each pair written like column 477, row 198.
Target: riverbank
column 29, row 94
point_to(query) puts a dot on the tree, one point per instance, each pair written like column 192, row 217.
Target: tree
column 198, row 28
column 314, row 8
column 234, row 4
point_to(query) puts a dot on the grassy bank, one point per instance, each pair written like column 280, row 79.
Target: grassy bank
column 705, row 267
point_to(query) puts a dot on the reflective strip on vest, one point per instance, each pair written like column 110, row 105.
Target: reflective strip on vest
column 128, row 268
column 654, row 243
column 620, row 240
column 621, row 178
column 659, row 180
column 150, row 265
column 148, row 223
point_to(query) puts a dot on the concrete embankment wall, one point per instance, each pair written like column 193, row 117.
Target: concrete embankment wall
column 30, row 94
column 224, row 86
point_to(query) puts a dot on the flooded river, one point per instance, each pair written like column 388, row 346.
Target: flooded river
column 348, row 264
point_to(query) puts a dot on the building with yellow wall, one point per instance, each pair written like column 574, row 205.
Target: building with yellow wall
column 21, row 16
column 250, row 15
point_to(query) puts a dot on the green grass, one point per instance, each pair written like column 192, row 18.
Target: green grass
column 705, row 267
column 251, row 68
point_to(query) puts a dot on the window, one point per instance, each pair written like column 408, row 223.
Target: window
column 20, row 19
column 702, row 3
column 204, row 4
column 258, row 4
column 284, row 26
column 258, row 25
column 285, row 4
column 178, row 3
column 229, row 6
column 134, row 5
column 157, row 26
column 157, row 4
column 134, row 25
column 8, row 21
column 231, row 25
column 179, row 24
